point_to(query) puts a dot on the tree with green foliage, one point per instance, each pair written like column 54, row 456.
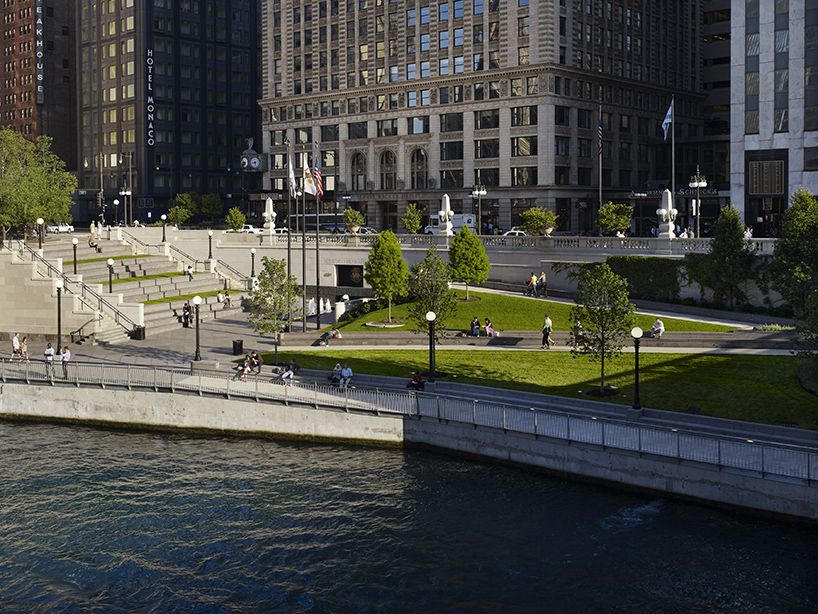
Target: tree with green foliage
column 729, row 263
column 273, row 297
column 386, row 270
column 235, row 219
column 605, row 313
column 353, row 219
column 467, row 259
column 538, row 220
column 178, row 215
column 412, row 220
column 202, row 205
column 33, row 183
column 794, row 267
column 429, row 285
column 614, row 217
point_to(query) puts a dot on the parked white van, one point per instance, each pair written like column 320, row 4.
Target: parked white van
column 458, row 221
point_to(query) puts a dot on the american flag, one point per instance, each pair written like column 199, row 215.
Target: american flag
column 316, row 171
column 599, row 134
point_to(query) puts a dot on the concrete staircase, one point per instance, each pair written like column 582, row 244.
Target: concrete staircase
column 158, row 317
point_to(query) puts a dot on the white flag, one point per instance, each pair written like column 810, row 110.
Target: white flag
column 668, row 119
column 309, row 184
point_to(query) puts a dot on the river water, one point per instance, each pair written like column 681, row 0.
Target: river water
column 98, row 521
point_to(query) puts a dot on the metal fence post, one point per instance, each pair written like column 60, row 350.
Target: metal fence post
column 346, row 400
column 128, row 372
column 172, row 389
column 536, row 425
column 474, row 413
column 255, row 382
column 200, row 384
column 155, row 387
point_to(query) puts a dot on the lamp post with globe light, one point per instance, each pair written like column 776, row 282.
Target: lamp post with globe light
column 479, row 192
column 197, row 300
column 698, row 181
column 110, row 275
column 59, row 283
column 210, row 245
column 40, row 223
column 74, row 242
column 164, row 219
column 252, row 262
column 636, row 333
column 430, row 317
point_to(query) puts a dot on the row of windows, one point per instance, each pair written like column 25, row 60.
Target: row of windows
column 445, row 10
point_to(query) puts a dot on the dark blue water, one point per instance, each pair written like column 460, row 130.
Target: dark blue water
column 94, row 521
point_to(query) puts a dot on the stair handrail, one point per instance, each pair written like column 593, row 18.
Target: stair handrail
column 88, row 295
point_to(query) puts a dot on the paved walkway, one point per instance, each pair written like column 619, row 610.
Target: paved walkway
column 177, row 347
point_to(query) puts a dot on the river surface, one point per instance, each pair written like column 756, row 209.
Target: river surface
column 98, row 521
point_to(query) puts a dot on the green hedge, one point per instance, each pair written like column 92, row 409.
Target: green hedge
column 654, row 279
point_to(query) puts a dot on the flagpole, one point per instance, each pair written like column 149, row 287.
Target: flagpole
column 304, row 256
column 673, row 150
column 600, row 154
column 290, row 188
column 317, row 261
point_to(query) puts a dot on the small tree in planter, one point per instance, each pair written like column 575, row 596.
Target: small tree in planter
column 412, row 220
column 538, row 220
column 614, row 218
column 353, row 220
column 235, row 219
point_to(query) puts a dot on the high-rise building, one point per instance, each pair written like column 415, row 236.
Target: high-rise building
column 167, row 95
column 408, row 101
column 38, row 61
column 774, row 110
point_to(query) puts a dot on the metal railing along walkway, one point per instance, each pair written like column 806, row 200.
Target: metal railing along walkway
column 766, row 459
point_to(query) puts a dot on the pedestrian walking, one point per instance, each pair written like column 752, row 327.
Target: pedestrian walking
column 24, row 350
column 65, row 357
column 189, row 273
column 547, row 327
column 15, row 346
column 186, row 315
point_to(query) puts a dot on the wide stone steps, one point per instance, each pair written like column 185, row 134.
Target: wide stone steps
column 162, row 317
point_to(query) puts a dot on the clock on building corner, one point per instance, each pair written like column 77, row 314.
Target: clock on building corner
column 252, row 162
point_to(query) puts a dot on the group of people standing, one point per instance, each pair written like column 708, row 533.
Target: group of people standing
column 19, row 350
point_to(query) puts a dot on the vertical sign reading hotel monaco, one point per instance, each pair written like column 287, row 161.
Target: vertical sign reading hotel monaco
column 150, row 107
column 39, row 52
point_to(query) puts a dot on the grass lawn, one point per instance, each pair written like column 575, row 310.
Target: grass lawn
column 123, row 280
column 130, row 257
column 517, row 313
column 183, row 297
column 761, row 389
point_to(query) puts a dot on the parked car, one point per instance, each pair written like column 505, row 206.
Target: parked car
column 516, row 233
column 248, row 228
column 366, row 230
column 61, row 227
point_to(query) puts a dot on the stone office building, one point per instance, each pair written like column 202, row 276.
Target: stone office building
column 408, row 101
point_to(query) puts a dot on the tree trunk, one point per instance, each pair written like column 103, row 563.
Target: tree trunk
column 467, row 292
column 389, row 310
column 602, row 376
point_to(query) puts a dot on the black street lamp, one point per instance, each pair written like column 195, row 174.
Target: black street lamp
column 479, row 192
column 636, row 333
column 75, row 241
column 698, row 181
column 40, row 222
column 197, row 300
column 59, row 284
column 210, row 245
column 110, row 275
column 164, row 219
column 430, row 316
column 252, row 262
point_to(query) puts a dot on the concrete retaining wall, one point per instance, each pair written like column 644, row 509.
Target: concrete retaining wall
column 167, row 411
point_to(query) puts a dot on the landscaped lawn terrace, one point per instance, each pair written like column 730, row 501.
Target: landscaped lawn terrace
column 761, row 389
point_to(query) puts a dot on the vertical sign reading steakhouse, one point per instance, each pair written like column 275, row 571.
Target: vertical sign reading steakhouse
column 149, row 98
column 39, row 51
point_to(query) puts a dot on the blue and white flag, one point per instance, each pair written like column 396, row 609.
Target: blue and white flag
column 668, row 118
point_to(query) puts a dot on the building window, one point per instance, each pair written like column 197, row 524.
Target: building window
column 487, row 118
column 524, row 116
column 387, row 127
column 358, row 170
column 524, row 146
column 420, row 169
column 357, row 130
column 451, row 178
column 388, row 164
column 487, row 148
column 451, row 122
column 561, row 116
column 418, row 125
column 451, row 150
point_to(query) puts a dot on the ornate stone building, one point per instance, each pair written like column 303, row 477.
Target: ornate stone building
column 408, row 101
